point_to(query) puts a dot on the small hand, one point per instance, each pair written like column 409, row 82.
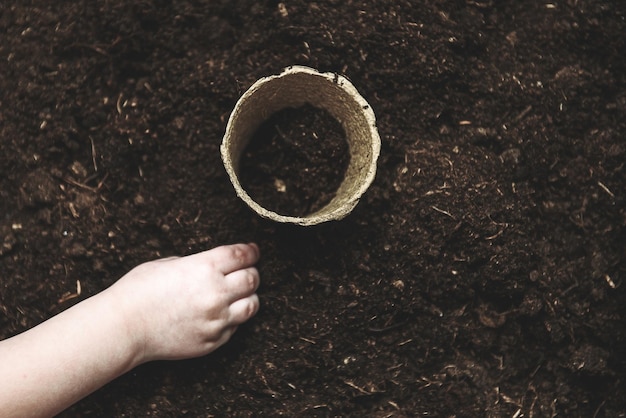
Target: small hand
column 187, row 307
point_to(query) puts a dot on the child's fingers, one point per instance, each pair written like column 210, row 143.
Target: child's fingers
column 228, row 332
column 243, row 309
column 229, row 258
column 241, row 283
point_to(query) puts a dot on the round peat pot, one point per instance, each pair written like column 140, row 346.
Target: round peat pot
column 295, row 87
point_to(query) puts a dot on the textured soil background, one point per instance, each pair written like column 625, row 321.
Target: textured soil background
column 481, row 275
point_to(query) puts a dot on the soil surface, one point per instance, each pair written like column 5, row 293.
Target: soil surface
column 482, row 274
column 295, row 161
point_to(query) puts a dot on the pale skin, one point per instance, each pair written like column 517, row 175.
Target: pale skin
column 168, row 309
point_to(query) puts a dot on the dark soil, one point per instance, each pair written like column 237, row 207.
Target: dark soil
column 295, row 161
column 481, row 275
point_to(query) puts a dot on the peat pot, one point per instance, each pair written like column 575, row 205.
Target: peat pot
column 294, row 87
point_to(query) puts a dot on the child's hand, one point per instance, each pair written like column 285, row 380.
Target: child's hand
column 187, row 307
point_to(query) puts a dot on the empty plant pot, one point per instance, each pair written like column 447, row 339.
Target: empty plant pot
column 293, row 88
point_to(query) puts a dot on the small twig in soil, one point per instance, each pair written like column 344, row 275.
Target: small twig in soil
column 308, row 340
column 73, row 210
column 496, row 235
column 68, row 296
column 352, row 385
column 385, row 329
column 197, row 218
column 606, row 189
column 73, row 182
column 93, row 154
column 118, row 105
column 443, row 211
column 94, row 48
column 101, row 182
column 522, row 114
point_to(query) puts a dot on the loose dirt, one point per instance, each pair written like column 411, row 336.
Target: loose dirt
column 295, row 161
column 481, row 275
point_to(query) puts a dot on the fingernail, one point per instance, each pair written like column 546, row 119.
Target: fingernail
column 256, row 248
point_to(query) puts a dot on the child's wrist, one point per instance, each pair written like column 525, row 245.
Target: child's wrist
column 130, row 335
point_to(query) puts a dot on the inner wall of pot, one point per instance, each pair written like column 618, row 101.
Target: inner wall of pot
column 294, row 90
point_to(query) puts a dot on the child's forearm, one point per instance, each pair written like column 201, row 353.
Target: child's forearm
column 165, row 309
column 48, row 368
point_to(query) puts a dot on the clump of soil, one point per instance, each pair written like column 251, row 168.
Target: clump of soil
column 295, row 161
